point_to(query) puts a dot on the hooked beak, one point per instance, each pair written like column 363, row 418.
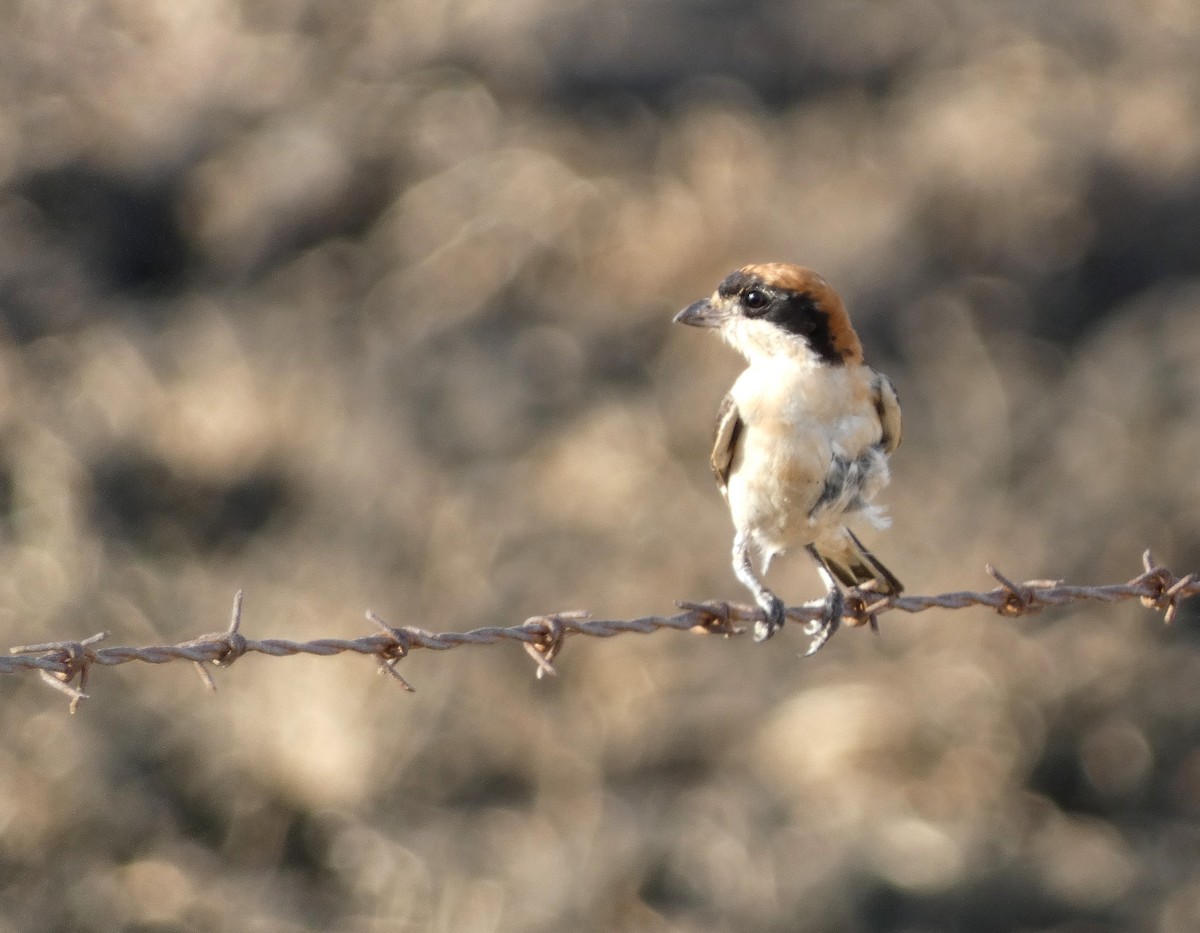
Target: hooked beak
column 702, row 313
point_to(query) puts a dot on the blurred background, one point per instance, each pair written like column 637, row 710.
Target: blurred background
column 368, row 304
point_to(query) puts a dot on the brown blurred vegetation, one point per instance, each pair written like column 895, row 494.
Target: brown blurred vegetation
column 368, row 303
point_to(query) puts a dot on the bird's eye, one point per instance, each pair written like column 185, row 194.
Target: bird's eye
column 755, row 299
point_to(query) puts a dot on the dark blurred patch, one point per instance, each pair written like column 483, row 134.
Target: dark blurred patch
column 660, row 52
column 306, row 843
column 124, row 229
column 160, row 770
column 485, row 388
column 677, row 768
column 488, row 787
column 7, row 489
column 1187, row 621
column 622, row 359
column 663, row 889
column 366, row 194
column 306, row 846
column 143, row 502
column 1059, row 776
column 1141, row 235
column 1000, row 902
column 1144, row 235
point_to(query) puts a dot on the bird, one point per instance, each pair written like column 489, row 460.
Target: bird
column 802, row 439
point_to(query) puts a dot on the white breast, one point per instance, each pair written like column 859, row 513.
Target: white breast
column 797, row 417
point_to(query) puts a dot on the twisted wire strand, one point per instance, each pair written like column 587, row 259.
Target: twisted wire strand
column 65, row 665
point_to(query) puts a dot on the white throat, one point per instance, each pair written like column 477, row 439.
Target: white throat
column 759, row 341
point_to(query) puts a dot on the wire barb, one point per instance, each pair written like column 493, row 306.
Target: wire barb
column 231, row 645
column 713, row 617
column 1019, row 599
column 545, row 648
column 392, row 651
column 1167, row 590
column 859, row 612
column 75, row 659
column 65, row 665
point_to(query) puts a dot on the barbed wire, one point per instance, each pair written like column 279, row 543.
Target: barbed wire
column 65, row 665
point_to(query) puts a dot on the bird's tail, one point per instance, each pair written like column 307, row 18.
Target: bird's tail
column 854, row 565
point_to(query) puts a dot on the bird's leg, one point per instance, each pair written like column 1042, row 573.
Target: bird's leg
column 771, row 604
column 832, row 607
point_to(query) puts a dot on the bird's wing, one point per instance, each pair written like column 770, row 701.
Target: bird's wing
column 887, row 404
column 725, row 440
column 851, row 562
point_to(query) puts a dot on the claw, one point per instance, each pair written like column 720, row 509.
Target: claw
column 772, row 605
column 822, row 629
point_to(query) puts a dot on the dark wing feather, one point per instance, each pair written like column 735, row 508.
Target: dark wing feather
column 854, row 565
column 725, row 440
column 887, row 404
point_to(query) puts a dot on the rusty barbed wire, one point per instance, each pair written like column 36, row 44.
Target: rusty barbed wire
column 65, row 665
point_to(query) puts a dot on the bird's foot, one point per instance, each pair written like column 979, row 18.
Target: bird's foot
column 773, row 606
column 833, row 606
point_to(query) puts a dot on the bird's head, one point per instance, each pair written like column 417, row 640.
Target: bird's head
column 778, row 309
